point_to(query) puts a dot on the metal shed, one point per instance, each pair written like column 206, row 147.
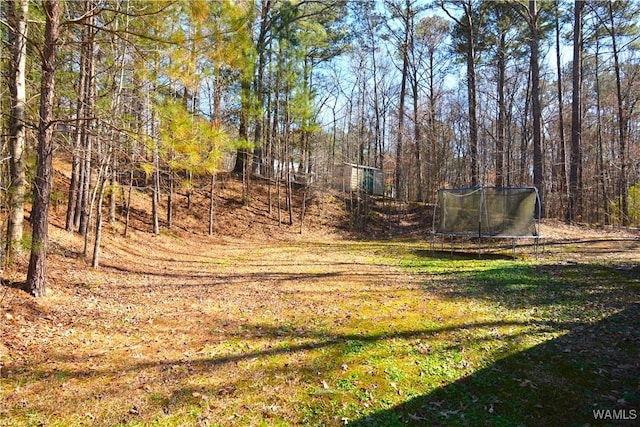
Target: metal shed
column 352, row 177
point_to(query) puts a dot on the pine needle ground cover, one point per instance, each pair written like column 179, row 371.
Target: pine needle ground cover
column 178, row 331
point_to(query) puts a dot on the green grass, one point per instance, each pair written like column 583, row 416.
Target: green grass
column 401, row 336
column 535, row 335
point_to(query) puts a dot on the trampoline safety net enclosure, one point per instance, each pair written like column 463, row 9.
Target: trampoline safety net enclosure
column 487, row 212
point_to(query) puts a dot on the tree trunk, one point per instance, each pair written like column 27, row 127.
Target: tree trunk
column 74, row 205
column 376, row 97
column 17, row 128
column 212, row 202
column 416, row 123
column 260, row 150
column 155, row 197
column 600, row 160
column 303, row 209
column 576, row 118
column 289, row 193
column 95, row 261
column 536, row 108
column 88, row 123
column 155, row 176
column 98, row 191
column 242, row 165
column 433, row 163
column 170, row 201
column 269, row 166
column 622, row 126
column 403, row 90
column 563, row 151
column 36, row 275
column 115, row 186
column 74, row 185
column 502, row 113
column 471, row 90
column 286, row 157
column 524, row 137
column 128, row 208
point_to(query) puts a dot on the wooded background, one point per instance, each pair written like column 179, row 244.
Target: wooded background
column 160, row 95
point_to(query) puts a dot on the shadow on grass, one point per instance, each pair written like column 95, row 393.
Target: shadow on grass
column 596, row 246
column 457, row 254
column 561, row 382
column 565, row 289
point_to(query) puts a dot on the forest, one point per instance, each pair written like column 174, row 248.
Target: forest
column 161, row 96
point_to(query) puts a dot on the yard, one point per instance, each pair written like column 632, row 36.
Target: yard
column 186, row 330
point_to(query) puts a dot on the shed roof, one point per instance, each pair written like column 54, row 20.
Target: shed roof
column 354, row 165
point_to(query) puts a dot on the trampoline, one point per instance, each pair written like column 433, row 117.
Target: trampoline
column 487, row 213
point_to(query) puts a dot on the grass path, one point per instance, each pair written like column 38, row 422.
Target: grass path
column 193, row 332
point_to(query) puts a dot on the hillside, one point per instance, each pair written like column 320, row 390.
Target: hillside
column 327, row 213
column 232, row 218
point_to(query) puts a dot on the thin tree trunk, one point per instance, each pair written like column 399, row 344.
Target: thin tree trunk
column 74, row 206
column 417, row 136
column 536, row 108
column 188, row 189
column 399, row 181
column 246, row 179
column 112, row 194
column 303, row 209
column 471, row 89
column 155, row 198
column 170, row 201
column 276, row 150
column 81, row 180
column 99, row 187
column 155, row 177
column 524, row 141
column 287, row 153
column 278, row 195
column 17, row 128
column 270, row 190
column 362, row 119
column 243, row 129
column 563, row 144
column 116, row 111
column 432, row 157
column 212, row 194
column 258, row 84
column 36, row 274
column 74, row 185
column 376, row 100
column 85, row 185
column 290, row 193
column 269, row 160
column 500, row 125
column 600, row 160
column 128, row 210
column 622, row 125
column 95, row 261
column 243, row 164
column 576, row 118
column 88, row 124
